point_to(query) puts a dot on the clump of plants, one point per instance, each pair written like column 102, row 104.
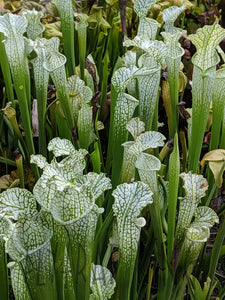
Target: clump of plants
column 106, row 202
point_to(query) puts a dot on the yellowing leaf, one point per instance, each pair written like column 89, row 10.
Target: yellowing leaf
column 182, row 81
column 215, row 167
column 53, row 29
column 7, row 182
column 216, row 160
column 209, row 120
column 187, row 3
column 215, row 155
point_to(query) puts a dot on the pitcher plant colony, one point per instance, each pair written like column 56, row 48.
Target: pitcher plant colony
column 109, row 205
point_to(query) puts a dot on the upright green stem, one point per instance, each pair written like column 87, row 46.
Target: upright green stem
column 124, row 279
column 82, row 36
column 216, row 252
column 146, row 258
column 41, row 77
column 114, row 96
column 218, row 107
column 84, row 124
column 59, row 79
column 160, row 249
column 11, row 115
column 103, row 97
column 61, row 123
column 65, row 9
column 222, row 140
column 102, row 233
column 124, row 110
column 183, row 143
column 25, row 115
column 167, row 104
column 179, row 287
column 19, row 164
column 4, row 285
column 58, row 244
column 202, row 92
column 174, row 171
column 147, row 166
column 82, row 41
column 173, row 78
column 173, row 59
column 6, row 72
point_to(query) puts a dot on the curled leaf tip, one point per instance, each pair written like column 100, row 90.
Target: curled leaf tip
column 39, row 160
column 142, row 7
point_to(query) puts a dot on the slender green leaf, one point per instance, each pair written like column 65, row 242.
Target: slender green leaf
column 85, row 127
column 41, row 78
column 173, row 60
column 218, row 107
column 5, row 228
column 174, row 171
column 81, row 28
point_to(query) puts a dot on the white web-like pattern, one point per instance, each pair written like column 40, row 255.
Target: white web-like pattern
column 129, row 201
column 206, row 40
column 148, row 27
column 125, row 106
column 102, row 283
column 34, row 27
column 142, row 7
column 135, row 126
column 15, row 201
column 195, row 187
